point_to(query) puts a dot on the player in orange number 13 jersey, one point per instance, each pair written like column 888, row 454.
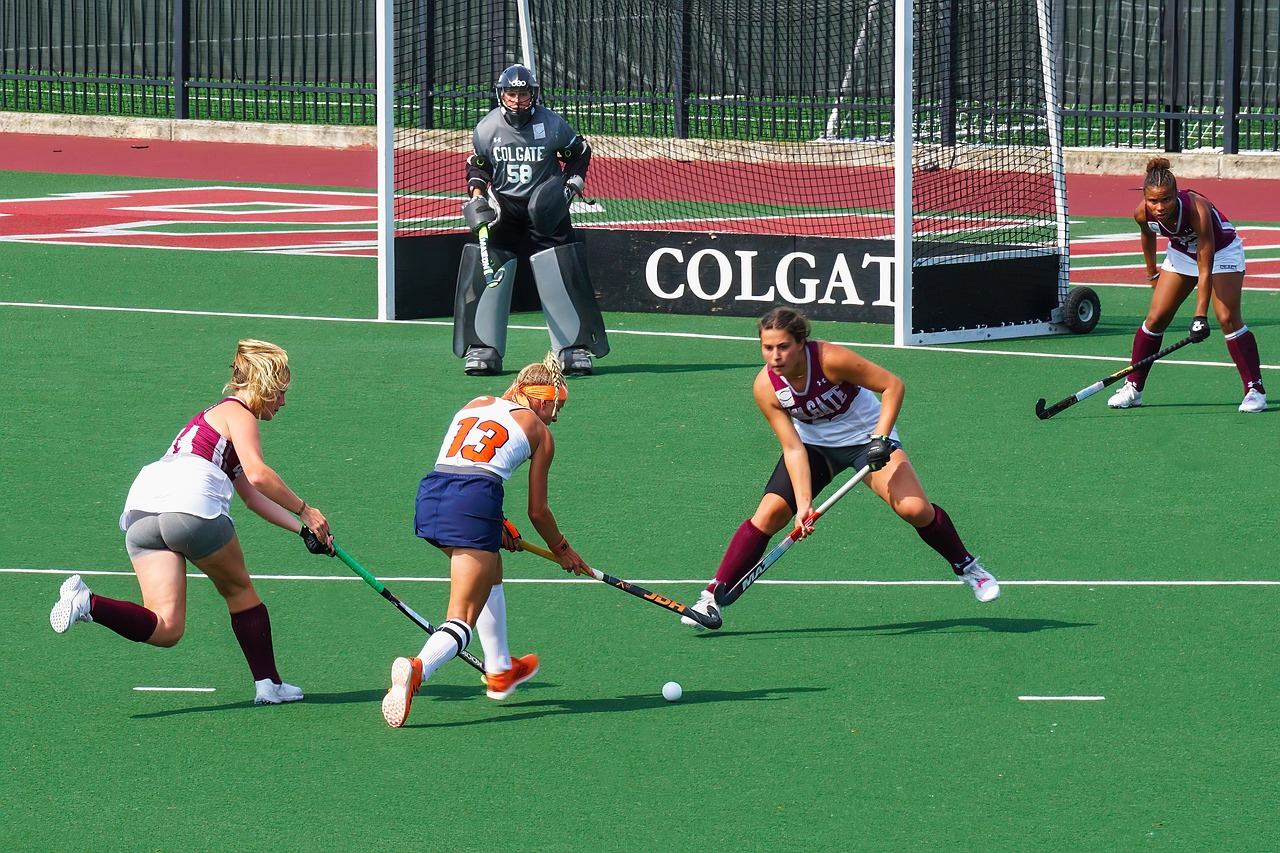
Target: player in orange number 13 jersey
column 459, row 510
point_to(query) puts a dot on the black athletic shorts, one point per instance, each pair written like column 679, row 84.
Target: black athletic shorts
column 824, row 464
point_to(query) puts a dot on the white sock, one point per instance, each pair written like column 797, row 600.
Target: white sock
column 444, row 645
column 492, row 628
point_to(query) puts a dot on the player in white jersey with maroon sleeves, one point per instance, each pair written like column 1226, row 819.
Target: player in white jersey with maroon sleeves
column 1206, row 255
column 459, row 510
column 818, row 398
column 178, row 510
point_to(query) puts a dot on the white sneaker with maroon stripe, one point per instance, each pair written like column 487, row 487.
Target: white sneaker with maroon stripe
column 981, row 581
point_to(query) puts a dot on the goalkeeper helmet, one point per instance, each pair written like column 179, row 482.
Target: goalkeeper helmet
column 517, row 91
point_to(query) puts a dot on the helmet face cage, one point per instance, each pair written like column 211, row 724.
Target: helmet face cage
column 517, row 79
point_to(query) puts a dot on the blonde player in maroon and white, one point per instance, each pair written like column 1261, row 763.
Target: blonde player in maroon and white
column 818, row 399
column 459, row 510
column 1205, row 255
column 178, row 510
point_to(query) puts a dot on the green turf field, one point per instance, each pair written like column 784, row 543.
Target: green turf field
column 822, row 716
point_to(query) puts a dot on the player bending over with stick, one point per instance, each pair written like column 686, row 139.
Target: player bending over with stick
column 1206, row 255
column 459, row 510
column 817, row 398
column 178, row 509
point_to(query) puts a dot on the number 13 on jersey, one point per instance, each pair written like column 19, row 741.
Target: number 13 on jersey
column 478, row 440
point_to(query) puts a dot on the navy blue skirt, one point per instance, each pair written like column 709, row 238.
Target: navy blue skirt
column 460, row 510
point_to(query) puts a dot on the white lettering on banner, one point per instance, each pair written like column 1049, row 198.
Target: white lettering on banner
column 839, row 281
column 842, row 278
column 694, row 274
column 886, row 277
column 748, row 279
column 651, row 273
column 783, row 272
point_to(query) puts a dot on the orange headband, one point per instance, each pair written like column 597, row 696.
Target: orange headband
column 546, row 392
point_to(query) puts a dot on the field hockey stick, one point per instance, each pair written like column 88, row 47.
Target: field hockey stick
column 491, row 278
column 728, row 595
column 1067, row 402
column 399, row 605
column 711, row 621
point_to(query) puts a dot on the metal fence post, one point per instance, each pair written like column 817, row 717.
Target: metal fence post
column 682, row 22
column 1231, row 78
column 181, row 61
column 1172, row 32
column 426, row 37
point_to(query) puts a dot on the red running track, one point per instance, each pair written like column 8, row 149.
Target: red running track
column 1087, row 195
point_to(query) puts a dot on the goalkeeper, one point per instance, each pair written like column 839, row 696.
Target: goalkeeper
column 527, row 165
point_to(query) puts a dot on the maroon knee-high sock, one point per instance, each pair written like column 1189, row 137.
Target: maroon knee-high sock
column 1244, row 352
column 744, row 551
column 129, row 620
column 1145, row 344
column 940, row 535
column 252, row 628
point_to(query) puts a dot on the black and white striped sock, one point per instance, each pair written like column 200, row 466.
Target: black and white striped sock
column 449, row 639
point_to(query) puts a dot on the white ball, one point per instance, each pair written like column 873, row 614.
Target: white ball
column 671, row 691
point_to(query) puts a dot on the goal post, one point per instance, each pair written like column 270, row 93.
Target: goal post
column 886, row 161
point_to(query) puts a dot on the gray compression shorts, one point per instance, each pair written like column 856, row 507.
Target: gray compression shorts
column 189, row 535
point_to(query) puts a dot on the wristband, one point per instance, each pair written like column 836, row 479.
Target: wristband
column 885, row 437
column 304, row 508
column 564, row 544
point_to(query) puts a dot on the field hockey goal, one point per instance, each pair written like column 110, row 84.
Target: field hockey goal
column 867, row 160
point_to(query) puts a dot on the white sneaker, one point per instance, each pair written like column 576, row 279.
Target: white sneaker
column 1254, row 401
column 706, row 605
column 982, row 582
column 1128, row 397
column 267, row 692
column 72, row 606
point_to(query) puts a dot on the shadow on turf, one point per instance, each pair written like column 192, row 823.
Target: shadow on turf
column 933, row 626
column 610, row 369
column 614, row 704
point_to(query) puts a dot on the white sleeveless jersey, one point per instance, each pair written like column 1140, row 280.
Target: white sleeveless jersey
column 485, row 438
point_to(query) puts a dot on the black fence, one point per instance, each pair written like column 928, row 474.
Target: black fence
column 1171, row 74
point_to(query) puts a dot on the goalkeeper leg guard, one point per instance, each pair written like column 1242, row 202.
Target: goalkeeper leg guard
column 480, row 312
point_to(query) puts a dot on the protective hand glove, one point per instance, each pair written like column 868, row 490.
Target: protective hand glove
column 573, row 187
column 1199, row 329
column 510, row 536
column 478, row 213
column 313, row 542
column 878, row 452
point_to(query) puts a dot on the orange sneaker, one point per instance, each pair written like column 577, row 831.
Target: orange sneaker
column 406, row 678
column 502, row 684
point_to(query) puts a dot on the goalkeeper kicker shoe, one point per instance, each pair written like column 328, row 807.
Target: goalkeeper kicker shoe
column 576, row 361
column 1128, row 397
column 267, row 692
column 482, row 361
column 706, row 605
column 406, row 679
column 981, row 581
column 500, row 685
column 72, row 606
column 1254, row 401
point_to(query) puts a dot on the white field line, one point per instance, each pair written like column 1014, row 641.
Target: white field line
column 635, row 332
column 699, row 581
column 1061, row 698
column 175, row 689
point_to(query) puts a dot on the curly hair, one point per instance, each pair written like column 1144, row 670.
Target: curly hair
column 259, row 374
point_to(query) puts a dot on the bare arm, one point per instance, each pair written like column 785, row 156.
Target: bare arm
column 1148, row 241
column 265, row 507
column 242, row 428
column 1202, row 222
column 844, row 365
column 794, row 455
column 540, row 514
